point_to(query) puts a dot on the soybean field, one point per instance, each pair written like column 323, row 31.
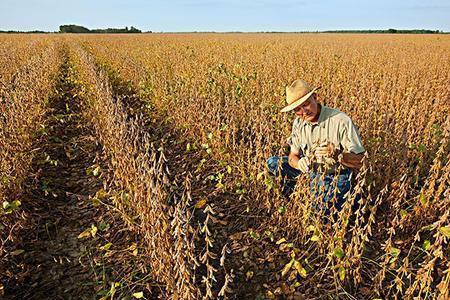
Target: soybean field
column 134, row 167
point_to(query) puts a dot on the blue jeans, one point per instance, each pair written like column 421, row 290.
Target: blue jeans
column 321, row 186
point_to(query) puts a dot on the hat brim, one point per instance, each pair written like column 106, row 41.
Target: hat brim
column 299, row 101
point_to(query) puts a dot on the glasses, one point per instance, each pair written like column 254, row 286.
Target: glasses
column 302, row 106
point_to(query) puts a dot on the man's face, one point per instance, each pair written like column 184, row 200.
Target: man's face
column 308, row 109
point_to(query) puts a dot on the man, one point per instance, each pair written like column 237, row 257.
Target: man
column 324, row 143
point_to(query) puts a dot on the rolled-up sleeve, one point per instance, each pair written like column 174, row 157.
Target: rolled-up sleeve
column 351, row 141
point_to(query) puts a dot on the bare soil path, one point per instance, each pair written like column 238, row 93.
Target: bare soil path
column 56, row 264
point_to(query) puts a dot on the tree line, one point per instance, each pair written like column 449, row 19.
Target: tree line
column 82, row 29
column 390, row 30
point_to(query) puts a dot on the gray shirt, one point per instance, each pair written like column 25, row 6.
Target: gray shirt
column 332, row 126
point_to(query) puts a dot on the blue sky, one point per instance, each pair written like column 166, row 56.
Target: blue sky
column 221, row 15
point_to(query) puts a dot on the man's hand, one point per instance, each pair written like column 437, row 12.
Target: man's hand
column 326, row 154
column 322, row 151
column 329, row 155
column 303, row 164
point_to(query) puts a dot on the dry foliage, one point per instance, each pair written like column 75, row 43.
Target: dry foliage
column 225, row 91
column 23, row 101
column 140, row 178
column 222, row 94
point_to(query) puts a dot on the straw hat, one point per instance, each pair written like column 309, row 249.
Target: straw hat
column 297, row 93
